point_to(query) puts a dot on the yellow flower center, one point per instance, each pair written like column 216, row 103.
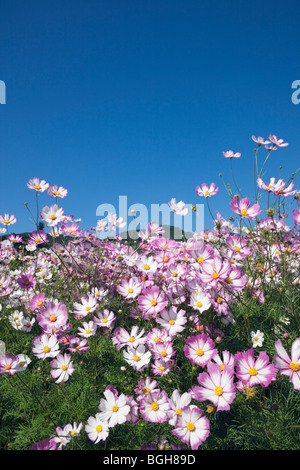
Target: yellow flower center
column 87, row 308
column 199, row 304
column 178, row 411
column 146, row 266
column 146, row 391
column 161, row 368
column 174, row 274
column 46, row 349
column 200, row 259
column 252, row 371
column 99, row 428
column 190, row 426
column 163, row 353
column 166, row 259
column 64, row 367
column 104, row 320
column 52, row 217
column 37, row 186
column 136, row 358
column 171, row 322
column 131, row 339
column 40, row 303
column 215, row 275
column 218, row 391
column 6, row 221
column 200, row 352
column 115, row 408
column 228, row 280
column 237, row 248
column 7, row 367
column 294, row 366
column 153, row 302
column 88, row 331
column 130, row 290
column 52, row 318
column 244, row 211
column 154, row 406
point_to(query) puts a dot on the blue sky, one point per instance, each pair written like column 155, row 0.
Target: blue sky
column 140, row 98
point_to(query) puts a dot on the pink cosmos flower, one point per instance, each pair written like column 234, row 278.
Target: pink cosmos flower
column 52, row 318
column 7, row 219
column 45, row 445
column 132, row 339
column 62, row 368
column 88, row 305
column 207, row 191
column 177, row 402
column 216, row 385
column 231, row 154
column 15, row 238
column 77, row 345
column 191, row 427
column 113, row 408
column 37, row 184
column 154, row 407
column 289, row 365
column 163, row 351
column 52, row 215
column 37, row 301
column 146, row 386
column 260, row 141
column 104, row 319
column 152, row 301
column 9, row 364
column 296, row 216
column 200, row 349
column 242, row 207
column 278, row 188
column 253, row 371
column 162, row 367
column 214, row 272
column 277, row 142
column 133, row 415
column 56, row 191
column 172, row 320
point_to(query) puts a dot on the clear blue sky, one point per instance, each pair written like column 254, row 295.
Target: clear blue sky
column 140, row 98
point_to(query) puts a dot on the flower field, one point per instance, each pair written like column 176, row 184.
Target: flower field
column 155, row 343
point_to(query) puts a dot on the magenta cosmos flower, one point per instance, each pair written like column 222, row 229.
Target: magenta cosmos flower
column 289, row 365
column 52, row 318
column 277, row 142
column 260, row 141
column 242, row 207
column 207, row 191
column 152, row 301
column 253, row 371
column 200, row 349
column 216, row 385
column 37, row 301
column 191, row 427
column 154, row 406
column 26, row 281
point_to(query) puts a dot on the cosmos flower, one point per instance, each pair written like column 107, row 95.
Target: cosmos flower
column 253, row 371
column 97, row 428
column 37, row 184
column 216, row 385
column 207, row 191
column 62, row 368
column 289, row 365
column 192, row 427
column 200, row 349
column 242, row 207
column 154, row 406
